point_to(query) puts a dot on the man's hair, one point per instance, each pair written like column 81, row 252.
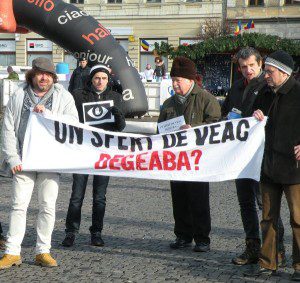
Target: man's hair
column 31, row 74
column 10, row 69
column 246, row 52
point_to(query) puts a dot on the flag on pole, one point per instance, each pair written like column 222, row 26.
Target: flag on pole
column 249, row 25
column 145, row 45
column 238, row 28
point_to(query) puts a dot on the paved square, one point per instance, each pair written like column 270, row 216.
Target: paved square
column 138, row 227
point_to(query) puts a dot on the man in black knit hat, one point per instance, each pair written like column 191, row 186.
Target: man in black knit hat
column 95, row 90
column 190, row 199
column 280, row 169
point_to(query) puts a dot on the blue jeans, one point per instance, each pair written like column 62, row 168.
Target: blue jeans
column 100, row 184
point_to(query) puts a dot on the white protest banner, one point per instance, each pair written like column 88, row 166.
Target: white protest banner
column 214, row 152
column 171, row 125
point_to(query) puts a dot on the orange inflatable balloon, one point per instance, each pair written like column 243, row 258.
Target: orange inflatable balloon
column 7, row 19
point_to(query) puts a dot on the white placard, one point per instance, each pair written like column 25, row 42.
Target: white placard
column 96, row 113
column 171, row 125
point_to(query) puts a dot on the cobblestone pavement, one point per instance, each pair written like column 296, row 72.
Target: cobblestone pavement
column 137, row 232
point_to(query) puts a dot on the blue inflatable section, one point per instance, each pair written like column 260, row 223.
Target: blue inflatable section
column 62, row 68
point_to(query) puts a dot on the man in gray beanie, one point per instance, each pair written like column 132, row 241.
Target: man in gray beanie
column 42, row 93
column 190, row 200
column 281, row 167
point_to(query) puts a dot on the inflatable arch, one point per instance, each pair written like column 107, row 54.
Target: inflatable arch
column 80, row 34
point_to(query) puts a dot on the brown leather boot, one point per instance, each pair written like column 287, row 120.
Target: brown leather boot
column 251, row 253
column 2, row 242
column 45, row 260
column 8, row 261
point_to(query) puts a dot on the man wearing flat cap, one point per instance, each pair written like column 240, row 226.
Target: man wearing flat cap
column 96, row 90
column 42, row 93
column 281, row 167
column 190, row 200
column 79, row 76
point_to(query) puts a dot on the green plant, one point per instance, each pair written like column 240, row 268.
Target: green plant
column 230, row 44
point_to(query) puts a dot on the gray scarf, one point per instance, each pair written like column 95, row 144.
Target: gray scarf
column 182, row 99
column 30, row 101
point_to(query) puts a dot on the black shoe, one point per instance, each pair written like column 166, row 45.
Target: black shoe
column 202, row 247
column 180, row 243
column 69, row 240
column 281, row 259
column 257, row 271
column 250, row 255
column 296, row 275
column 96, row 239
column 2, row 242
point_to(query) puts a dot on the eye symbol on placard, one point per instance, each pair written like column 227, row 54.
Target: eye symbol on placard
column 97, row 112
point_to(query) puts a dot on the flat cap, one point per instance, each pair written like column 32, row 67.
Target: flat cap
column 43, row 64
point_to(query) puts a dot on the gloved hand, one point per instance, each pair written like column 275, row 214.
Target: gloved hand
column 119, row 118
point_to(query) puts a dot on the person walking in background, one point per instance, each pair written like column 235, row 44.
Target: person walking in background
column 96, row 90
column 42, row 93
column 239, row 102
column 79, row 76
column 148, row 73
column 190, row 200
column 12, row 75
column 280, row 168
column 160, row 69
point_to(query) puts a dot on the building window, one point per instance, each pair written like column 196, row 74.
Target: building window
column 256, row 2
column 292, row 2
column 192, row 1
column 114, row 1
column 153, row 1
column 77, row 1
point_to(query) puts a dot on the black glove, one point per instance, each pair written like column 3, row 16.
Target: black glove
column 119, row 118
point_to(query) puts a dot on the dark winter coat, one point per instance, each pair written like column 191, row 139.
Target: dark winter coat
column 88, row 95
column 242, row 96
column 79, row 78
column 282, row 134
column 200, row 108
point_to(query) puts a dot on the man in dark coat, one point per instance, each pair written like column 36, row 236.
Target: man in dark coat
column 190, row 200
column 79, row 76
column 241, row 97
column 280, row 168
column 96, row 90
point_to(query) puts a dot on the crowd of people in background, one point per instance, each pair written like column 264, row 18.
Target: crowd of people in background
column 267, row 88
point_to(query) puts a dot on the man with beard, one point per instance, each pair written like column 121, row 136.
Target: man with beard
column 42, row 93
column 96, row 90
